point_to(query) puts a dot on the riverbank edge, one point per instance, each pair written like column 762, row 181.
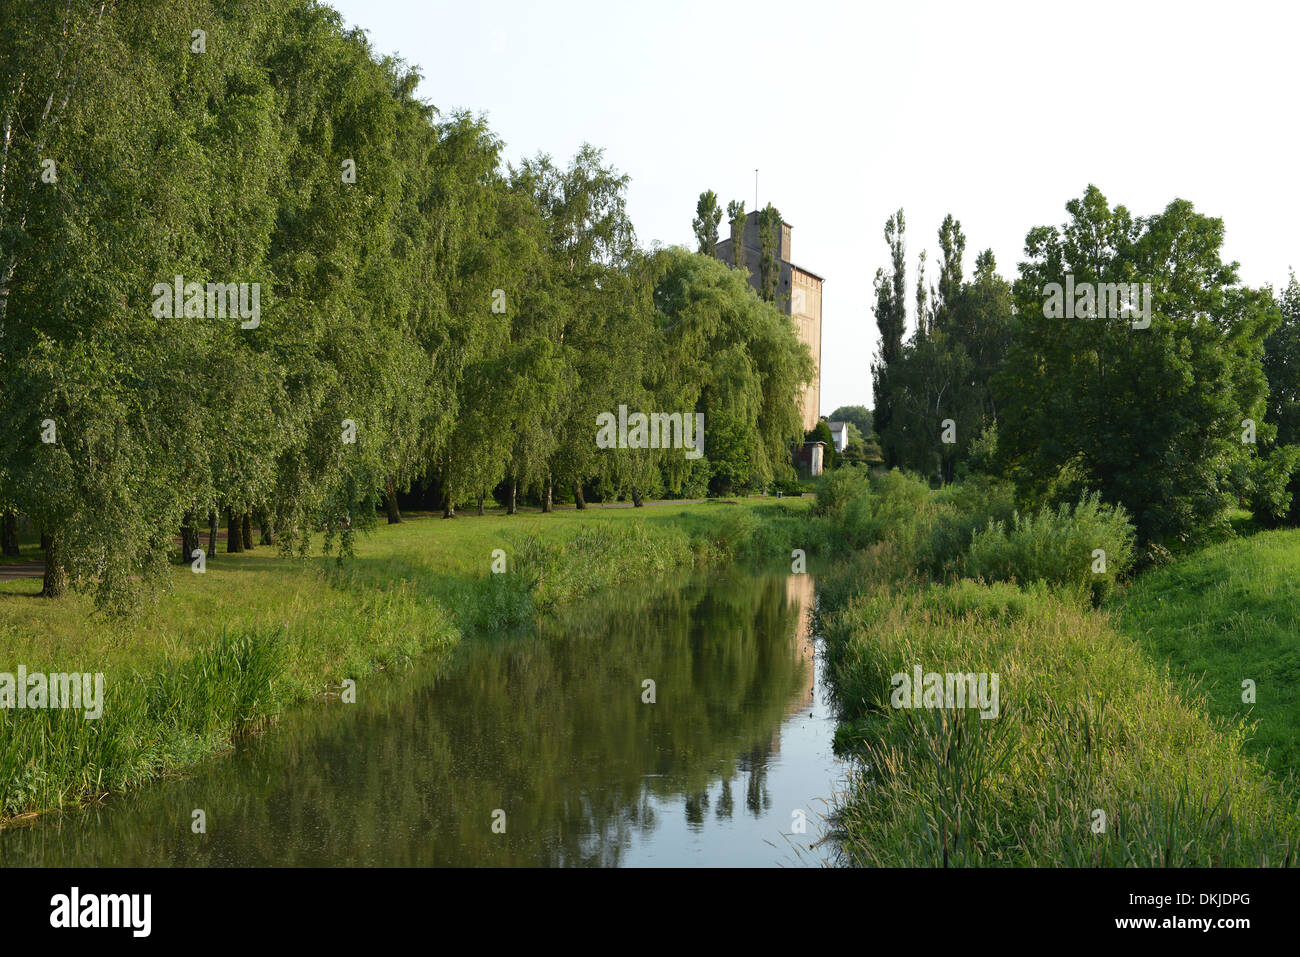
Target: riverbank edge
column 1180, row 788
column 1223, row 614
column 167, row 719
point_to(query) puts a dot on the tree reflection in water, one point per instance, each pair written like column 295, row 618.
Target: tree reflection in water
column 549, row 727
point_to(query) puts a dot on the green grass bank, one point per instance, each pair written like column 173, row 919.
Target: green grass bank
column 1102, row 753
column 1224, row 615
column 226, row 651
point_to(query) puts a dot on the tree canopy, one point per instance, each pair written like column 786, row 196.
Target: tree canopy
column 1127, row 358
column 247, row 274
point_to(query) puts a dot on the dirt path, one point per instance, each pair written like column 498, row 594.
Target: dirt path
column 13, row 570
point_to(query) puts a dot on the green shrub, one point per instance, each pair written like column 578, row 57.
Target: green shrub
column 961, row 510
column 898, row 508
column 787, row 487
column 1058, row 546
column 1272, row 485
column 836, row 489
column 929, row 531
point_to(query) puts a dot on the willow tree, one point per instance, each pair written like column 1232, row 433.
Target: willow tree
column 351, row 322
column 490, row 255
column 99, row 407
column 593, row 246
column 723, row 352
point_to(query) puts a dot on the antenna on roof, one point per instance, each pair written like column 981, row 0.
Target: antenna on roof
column 756, row 189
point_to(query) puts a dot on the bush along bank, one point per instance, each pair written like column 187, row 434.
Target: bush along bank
column 1000, row 719
column 294, row 630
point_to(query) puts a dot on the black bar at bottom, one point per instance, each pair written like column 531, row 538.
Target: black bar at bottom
column 330, row 906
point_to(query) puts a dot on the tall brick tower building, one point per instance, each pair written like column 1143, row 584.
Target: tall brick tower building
column 799, row 294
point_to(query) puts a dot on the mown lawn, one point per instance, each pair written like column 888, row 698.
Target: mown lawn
column 1224, row 614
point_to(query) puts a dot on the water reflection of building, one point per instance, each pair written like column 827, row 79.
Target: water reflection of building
column 800, row 590
column 755, row 763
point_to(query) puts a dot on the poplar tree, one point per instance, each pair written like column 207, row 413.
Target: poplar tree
column 708, row 216
column 891, row 321
column 736, row 218
column 769, row 263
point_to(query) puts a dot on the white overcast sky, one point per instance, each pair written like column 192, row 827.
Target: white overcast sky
column 997, row 112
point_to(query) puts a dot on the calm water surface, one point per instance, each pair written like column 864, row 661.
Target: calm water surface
column 549, row 727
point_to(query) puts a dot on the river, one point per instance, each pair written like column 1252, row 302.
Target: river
column 539, row 748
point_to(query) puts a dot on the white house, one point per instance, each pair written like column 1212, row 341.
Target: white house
column 839, row 434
